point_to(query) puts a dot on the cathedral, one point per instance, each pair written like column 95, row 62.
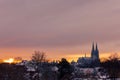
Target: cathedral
column 95, row 53
column 90, row 61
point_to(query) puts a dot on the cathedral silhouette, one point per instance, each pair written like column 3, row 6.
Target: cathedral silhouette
column 95, row 52
column 92, row 61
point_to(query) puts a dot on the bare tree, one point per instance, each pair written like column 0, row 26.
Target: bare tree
column 112, row 65
column 18, row 59
column 39, row 56
column 114, row 56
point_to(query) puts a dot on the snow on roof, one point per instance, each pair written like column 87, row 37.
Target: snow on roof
column 31, row 69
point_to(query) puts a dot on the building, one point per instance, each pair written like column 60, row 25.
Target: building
column 95, row 53
column 89, row 61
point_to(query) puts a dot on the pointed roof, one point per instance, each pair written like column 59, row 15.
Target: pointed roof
column 96, row 47
column 93, row 46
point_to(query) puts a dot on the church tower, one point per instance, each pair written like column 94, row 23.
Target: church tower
column 92, row 52
column 95, row 52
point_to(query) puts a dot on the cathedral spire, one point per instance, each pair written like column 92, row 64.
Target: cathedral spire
column 97, row 52
column 96, row 47
column 93, row 46
column 92, row 51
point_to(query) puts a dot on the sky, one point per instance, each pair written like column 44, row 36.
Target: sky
column 60, row 28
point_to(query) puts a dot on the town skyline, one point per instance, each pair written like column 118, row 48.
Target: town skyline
column 68, row 57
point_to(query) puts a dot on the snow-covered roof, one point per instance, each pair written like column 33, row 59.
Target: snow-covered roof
column 31, row 69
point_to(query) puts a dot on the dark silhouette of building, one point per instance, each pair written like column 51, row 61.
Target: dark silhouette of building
column 95, row 52
column 92, row 61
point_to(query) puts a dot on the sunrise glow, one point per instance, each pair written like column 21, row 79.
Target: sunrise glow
column 10, row 60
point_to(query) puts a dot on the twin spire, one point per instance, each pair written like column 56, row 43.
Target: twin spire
column 95, row 52
column 93, row 49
